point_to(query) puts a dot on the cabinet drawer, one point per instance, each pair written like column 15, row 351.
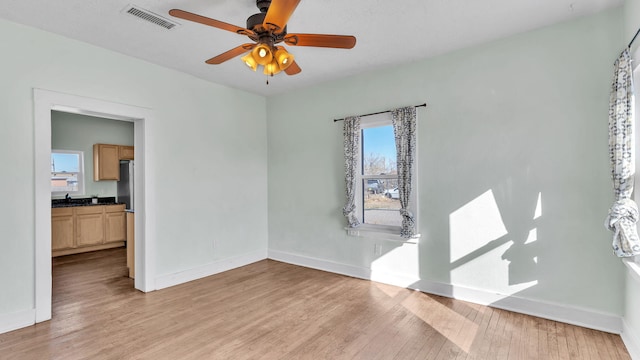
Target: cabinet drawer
column 83, row 210
column 114, row 208
column 66, row 211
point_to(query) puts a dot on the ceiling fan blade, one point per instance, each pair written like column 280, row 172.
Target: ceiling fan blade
column 208, row 21
column 230, row 54
column 279, row 13
column 293, row 69
column 321, row 40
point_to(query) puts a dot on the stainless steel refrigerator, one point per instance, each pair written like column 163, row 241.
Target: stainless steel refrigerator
column 125, row 185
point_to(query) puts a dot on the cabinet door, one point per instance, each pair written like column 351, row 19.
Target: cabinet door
column 62, row 229
column 106, row 162
column 115, row 223
column 131, row 255
column 89, row 225
column 126, row 152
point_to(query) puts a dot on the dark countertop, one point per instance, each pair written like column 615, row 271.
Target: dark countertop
column 58, row 203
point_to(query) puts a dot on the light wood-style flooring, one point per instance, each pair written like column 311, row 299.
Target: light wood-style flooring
column 272, row 310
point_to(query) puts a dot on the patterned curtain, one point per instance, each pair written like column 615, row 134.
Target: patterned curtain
column 351, row 134
column 623, row 215
column 404, row 128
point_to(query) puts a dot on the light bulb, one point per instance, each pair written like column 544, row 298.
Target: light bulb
column 250, row 61
column 262, row 54
column 283, row 58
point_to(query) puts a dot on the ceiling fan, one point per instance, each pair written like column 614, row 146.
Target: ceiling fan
column 267, row 29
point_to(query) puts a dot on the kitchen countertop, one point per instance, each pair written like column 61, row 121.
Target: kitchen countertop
column 58, row 203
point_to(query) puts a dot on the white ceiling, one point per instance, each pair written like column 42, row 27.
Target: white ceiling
column 388, row 32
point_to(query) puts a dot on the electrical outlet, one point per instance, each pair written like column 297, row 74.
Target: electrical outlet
column 377, row 249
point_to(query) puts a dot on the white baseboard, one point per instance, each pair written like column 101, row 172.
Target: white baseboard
column 552, row 311
column 216, row 267
column 17, row 320
column 631, row 340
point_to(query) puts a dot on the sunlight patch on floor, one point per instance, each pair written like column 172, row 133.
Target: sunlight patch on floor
column 455, row 327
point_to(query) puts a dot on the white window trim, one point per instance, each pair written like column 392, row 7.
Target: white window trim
column 81, row 187
column 385, row 232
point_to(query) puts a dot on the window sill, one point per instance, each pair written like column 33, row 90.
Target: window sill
column 380, row 233
column 633, row 266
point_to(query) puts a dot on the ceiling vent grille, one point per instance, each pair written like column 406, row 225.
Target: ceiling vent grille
column 147, row 15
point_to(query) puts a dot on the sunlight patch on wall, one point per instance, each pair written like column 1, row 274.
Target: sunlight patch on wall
column 485, row 255
column 533, row 236
column 398, row 265
column 475, row 225
column 489, row 272
column 538, row 211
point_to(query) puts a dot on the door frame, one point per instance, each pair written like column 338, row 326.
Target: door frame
column 44, row 102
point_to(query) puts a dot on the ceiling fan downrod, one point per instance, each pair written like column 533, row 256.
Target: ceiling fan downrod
column 263, row 5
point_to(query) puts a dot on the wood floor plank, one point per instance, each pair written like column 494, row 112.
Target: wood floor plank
column 273, row 310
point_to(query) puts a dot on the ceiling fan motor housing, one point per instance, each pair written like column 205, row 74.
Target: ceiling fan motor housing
column 255, row 23
column 255, row 20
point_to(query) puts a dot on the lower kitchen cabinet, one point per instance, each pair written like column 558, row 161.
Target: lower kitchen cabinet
column 62, row 229
column 89, row 225
column 115, row 223
column 87, row 228
column 131, row 254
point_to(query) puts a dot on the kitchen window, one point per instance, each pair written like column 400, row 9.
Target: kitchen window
column 67, row 172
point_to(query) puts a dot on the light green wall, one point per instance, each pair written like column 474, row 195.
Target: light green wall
column 507, row 122
column 79, row 133
column 632, row 21
column 206, row 146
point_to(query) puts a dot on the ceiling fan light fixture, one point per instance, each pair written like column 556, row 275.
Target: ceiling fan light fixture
column 284, row 58
column 262, row 54
column 250, row 61
column 272, row 68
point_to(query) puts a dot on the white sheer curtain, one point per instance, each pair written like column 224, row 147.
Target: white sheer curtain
column 404, row 128
column 623, row 215
column 351, row 135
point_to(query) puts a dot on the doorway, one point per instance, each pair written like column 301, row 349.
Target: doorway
column 44, row 102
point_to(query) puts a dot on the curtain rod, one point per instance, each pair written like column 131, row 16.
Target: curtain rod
column 381, row 112
column 634, row 38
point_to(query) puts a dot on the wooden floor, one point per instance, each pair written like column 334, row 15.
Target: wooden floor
column 272, row 310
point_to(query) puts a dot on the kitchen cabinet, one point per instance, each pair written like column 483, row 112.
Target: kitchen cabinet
column 125, row 152
column 89, row 225
column 115, row 223
column 106, row 162
column 62, row 229
column 87, row 228
column 131, row 254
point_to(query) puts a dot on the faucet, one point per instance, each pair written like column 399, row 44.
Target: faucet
column 67, row 197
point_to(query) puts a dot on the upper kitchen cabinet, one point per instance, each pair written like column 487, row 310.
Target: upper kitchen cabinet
column 126, row 152
column 106, row 162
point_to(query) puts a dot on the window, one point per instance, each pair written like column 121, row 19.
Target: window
column 67, row 172
column 377, row 196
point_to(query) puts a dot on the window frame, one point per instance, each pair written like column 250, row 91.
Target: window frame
column 80, row 174
column 388, row 232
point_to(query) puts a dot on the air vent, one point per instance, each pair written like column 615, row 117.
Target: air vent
column 147, row 15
